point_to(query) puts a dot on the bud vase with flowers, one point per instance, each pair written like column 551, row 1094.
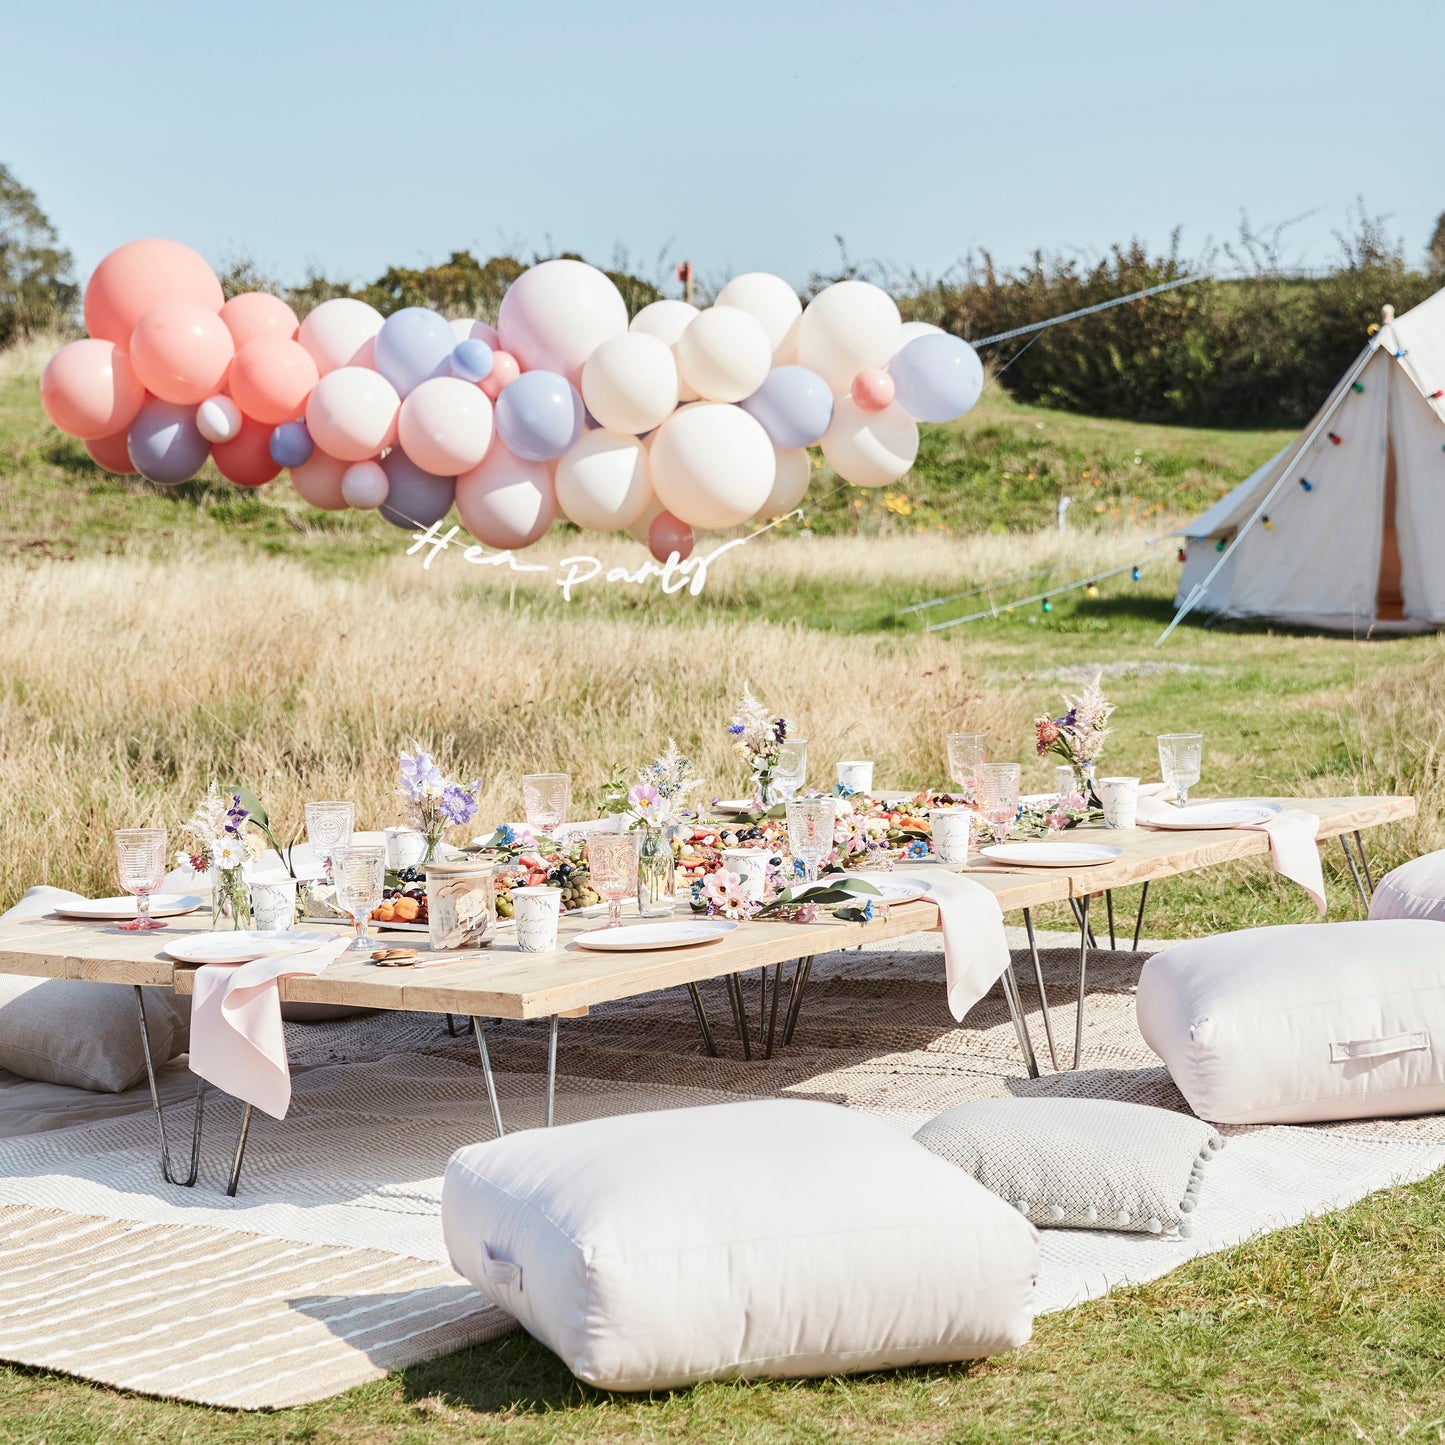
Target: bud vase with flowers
column 1077, row 738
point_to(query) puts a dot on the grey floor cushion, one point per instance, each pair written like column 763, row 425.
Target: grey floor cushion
column 1080, row 1163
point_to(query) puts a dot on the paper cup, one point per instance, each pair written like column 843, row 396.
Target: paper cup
column 856, row 776
column 751, row 865
column 1120, row 797
column 273, row 902
column 405, row 848
column 951, row 828
column 536, row 911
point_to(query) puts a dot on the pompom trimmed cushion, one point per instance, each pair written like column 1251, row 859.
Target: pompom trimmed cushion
column 1302, row 1023
column 1413, row 890
column 1080, row 1163
column 780, row 1237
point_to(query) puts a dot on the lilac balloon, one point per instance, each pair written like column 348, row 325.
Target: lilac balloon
column 291, row 444
column 793, row 405
column 936, row 378
column 414, row 498
column 164, row 444
column 539, row 416
column 413, row 345
column 471, row 361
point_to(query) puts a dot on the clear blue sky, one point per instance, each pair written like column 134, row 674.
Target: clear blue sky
column 743, row 135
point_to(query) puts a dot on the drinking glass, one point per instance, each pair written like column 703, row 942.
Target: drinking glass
column 612, row 866
column 328, row 827
column 141, row 859
column 544, row 800
column 360, row 874
column 1065, row 783
column 810, row 831
column 1179, row 755
column 791, row 772
column 998, row 797
column 965, row 752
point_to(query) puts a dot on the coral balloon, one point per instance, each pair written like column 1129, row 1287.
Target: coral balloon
column 938, row 377
column 790, row 482
column 712, row 465
column 503, row 373
column 724, row 354
column 319, row 482
column 870, row 448
column 415, row 498
column 164, row 443
column 872, row 389
column 554, row 316
column 846, row 327
column 291, row 445
column 668, row 537
column 246, row 460
column 352, row 413
column 667, row 320
column 539, row 416
column 772, row 302
column 254, row 314
column 340, row 333
column 445, row 426
column 90, row 389
column 139, row 276
column 507, row 502
column 465, row 329
column 413, row 345
column 111, row 453
column 364, row 485
column 793, row 405
column 630, row 383
column 181, row 351
column 218, row 419
column 604, row 482
column 271, row 378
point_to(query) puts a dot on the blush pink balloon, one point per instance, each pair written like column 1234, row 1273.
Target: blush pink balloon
column 445, row 426
column 90, row 389
column 507, row 502
column 504, row 372
column 340, row 332
column 365, row 485
column 246, row 458
column 319, row 482
column 254, row 314
column 112, row 453
column 352, row 413
column 271, row 378
column 667, row 535
column 872, row 389
column 139, row 276
column 181, row 351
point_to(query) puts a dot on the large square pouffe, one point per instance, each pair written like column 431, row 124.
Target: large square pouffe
column 771, row 1238
column 1307, row 1022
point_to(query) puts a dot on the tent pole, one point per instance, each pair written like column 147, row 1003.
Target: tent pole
column 1202, row 587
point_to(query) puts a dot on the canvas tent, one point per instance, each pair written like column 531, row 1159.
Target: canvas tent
column 1344, row 528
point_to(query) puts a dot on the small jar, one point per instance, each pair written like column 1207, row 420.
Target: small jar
column 461, row 904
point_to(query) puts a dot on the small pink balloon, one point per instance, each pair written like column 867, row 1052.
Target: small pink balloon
column 873, row 389
column 365, row 485
column 667, row 535
column 504, row 371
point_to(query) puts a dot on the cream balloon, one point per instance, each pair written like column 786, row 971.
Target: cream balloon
column 507, row 502
column 340, row 332
column 790, row 484
column 870, row 448
column 351, row 413
column 912, row 330
column 630, row 383
column 554, row 316
column 364, row 485
column 639, row 529
column 846, row 327
column 604, row 481
column 724, row 354
column 218, row 419
column 667, row 320
column 319, row 482
column 712, row 465
column 445, row 426
column 771, row 301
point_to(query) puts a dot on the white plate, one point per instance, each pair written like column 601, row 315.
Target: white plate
column 1217, row 815
column 373, row 927
column 1034, row 801
column 734, row 807
column 1052, row 855
column 891, row 889
column 643, row 937
column 163, row 905
column 242, row 945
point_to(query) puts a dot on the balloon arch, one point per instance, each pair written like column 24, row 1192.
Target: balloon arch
column 679, row 421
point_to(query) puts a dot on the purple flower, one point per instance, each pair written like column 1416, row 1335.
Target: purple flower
column 419, row 773
column 736, row 729
column 457, row 804
column 236, row 817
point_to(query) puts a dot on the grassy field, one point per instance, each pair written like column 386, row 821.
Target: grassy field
column 151, row 640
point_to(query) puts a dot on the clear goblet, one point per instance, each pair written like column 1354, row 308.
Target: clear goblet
column 544, row 800
column 612, row 868
column 328, row 827
column 360, row 875
column 998, row 797
column 810, row 831
column 791, row 771
column 1179, row 761
column 141, row 860
column 965, row 752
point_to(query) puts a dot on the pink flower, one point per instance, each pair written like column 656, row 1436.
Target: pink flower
column 1048, row 733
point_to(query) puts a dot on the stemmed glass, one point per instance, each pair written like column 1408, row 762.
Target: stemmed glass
column 965, row 752
column 998, row 797
column 329, row 827
column 810, row 831
column 360, row 876
column 791, row 772
column 1179, row 759
column 544, row 800
column 141, row 860
column 612, row 867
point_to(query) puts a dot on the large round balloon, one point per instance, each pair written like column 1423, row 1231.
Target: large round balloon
column 416, row 498
column 668, row 536
column 911, row 330
column 846, row 327
column 724, row 354
column 790, row 484
column 554, row 316
column 712, row 465
column 254, row 314
column 667, row 320
column 539, row 416
column 340, row 332
column 630, row 382
column 111, row 453
column 413, row 345
column 936, row 378
column 445, row 426
column 90, row 389
column 793, row 405
column 772, row 302
column 604, row 482
column 181, row 351
column 164, row 444
column 352, row 413
column 870, row 448
column 319, row 482
column 507, row 502
column 140, row 275
column 271, row 378
column 246, row 459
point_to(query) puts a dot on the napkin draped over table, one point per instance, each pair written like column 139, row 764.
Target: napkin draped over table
column 238, row 1042
column 975, row 949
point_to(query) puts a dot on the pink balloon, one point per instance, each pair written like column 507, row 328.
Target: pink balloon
column 140, row 275
column 254, row 314
column 112, row 453
column 507, row 502
column 365, row 485
column 352, row 413
column 181, row 351
column 319, row 482
column 465, row 329
column 90, row 389
column 271, row 378
column 445, row 426
column 503, row 373
column 667, row 535
column 340, row 332
column 246, row 458
column 872, row 389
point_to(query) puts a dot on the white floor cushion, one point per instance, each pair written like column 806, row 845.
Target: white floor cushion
column 1413, row 890
column 773, row 1238
column 1302, row 1023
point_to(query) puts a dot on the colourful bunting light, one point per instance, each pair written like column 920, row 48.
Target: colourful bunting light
column 1358, row 386
column 1308, row 485
column 1134, row 575
column 1335, row 438
column 1268, row 525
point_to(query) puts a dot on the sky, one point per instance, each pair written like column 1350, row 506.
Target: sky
column 745, row 136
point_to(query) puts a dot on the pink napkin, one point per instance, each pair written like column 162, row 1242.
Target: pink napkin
column 237, row 1040
column 975, row 950
column 1292, row 839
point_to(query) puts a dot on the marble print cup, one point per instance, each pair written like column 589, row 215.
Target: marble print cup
column 951, row 828
column 856, row 776
column 273, row 902
column 536, row 911
column 1120, row 797
column 751, row 865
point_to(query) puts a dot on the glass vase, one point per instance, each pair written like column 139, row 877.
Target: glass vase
column 656, row 874
column 765, row 786
column 230, row 898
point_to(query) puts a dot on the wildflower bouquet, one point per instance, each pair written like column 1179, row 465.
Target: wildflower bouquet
column 434, row 803
column 758, row 738
column 658, row 799
column 1077, row 738
column 721, row 895
column 221, row 842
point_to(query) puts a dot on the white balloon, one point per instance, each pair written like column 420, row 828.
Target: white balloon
column 772, row 302
column 724, row 354
column 790, row 484
column 846, row 327
column 554, row 316
column 712, row 465
column 340, row 332
column 465, row 329
column 912, row 330
column 630, row 382
column 364, row 485
column 604, row 482
column 218, row 419
column 667, row 320
column 870, row 448
column 507, row 502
